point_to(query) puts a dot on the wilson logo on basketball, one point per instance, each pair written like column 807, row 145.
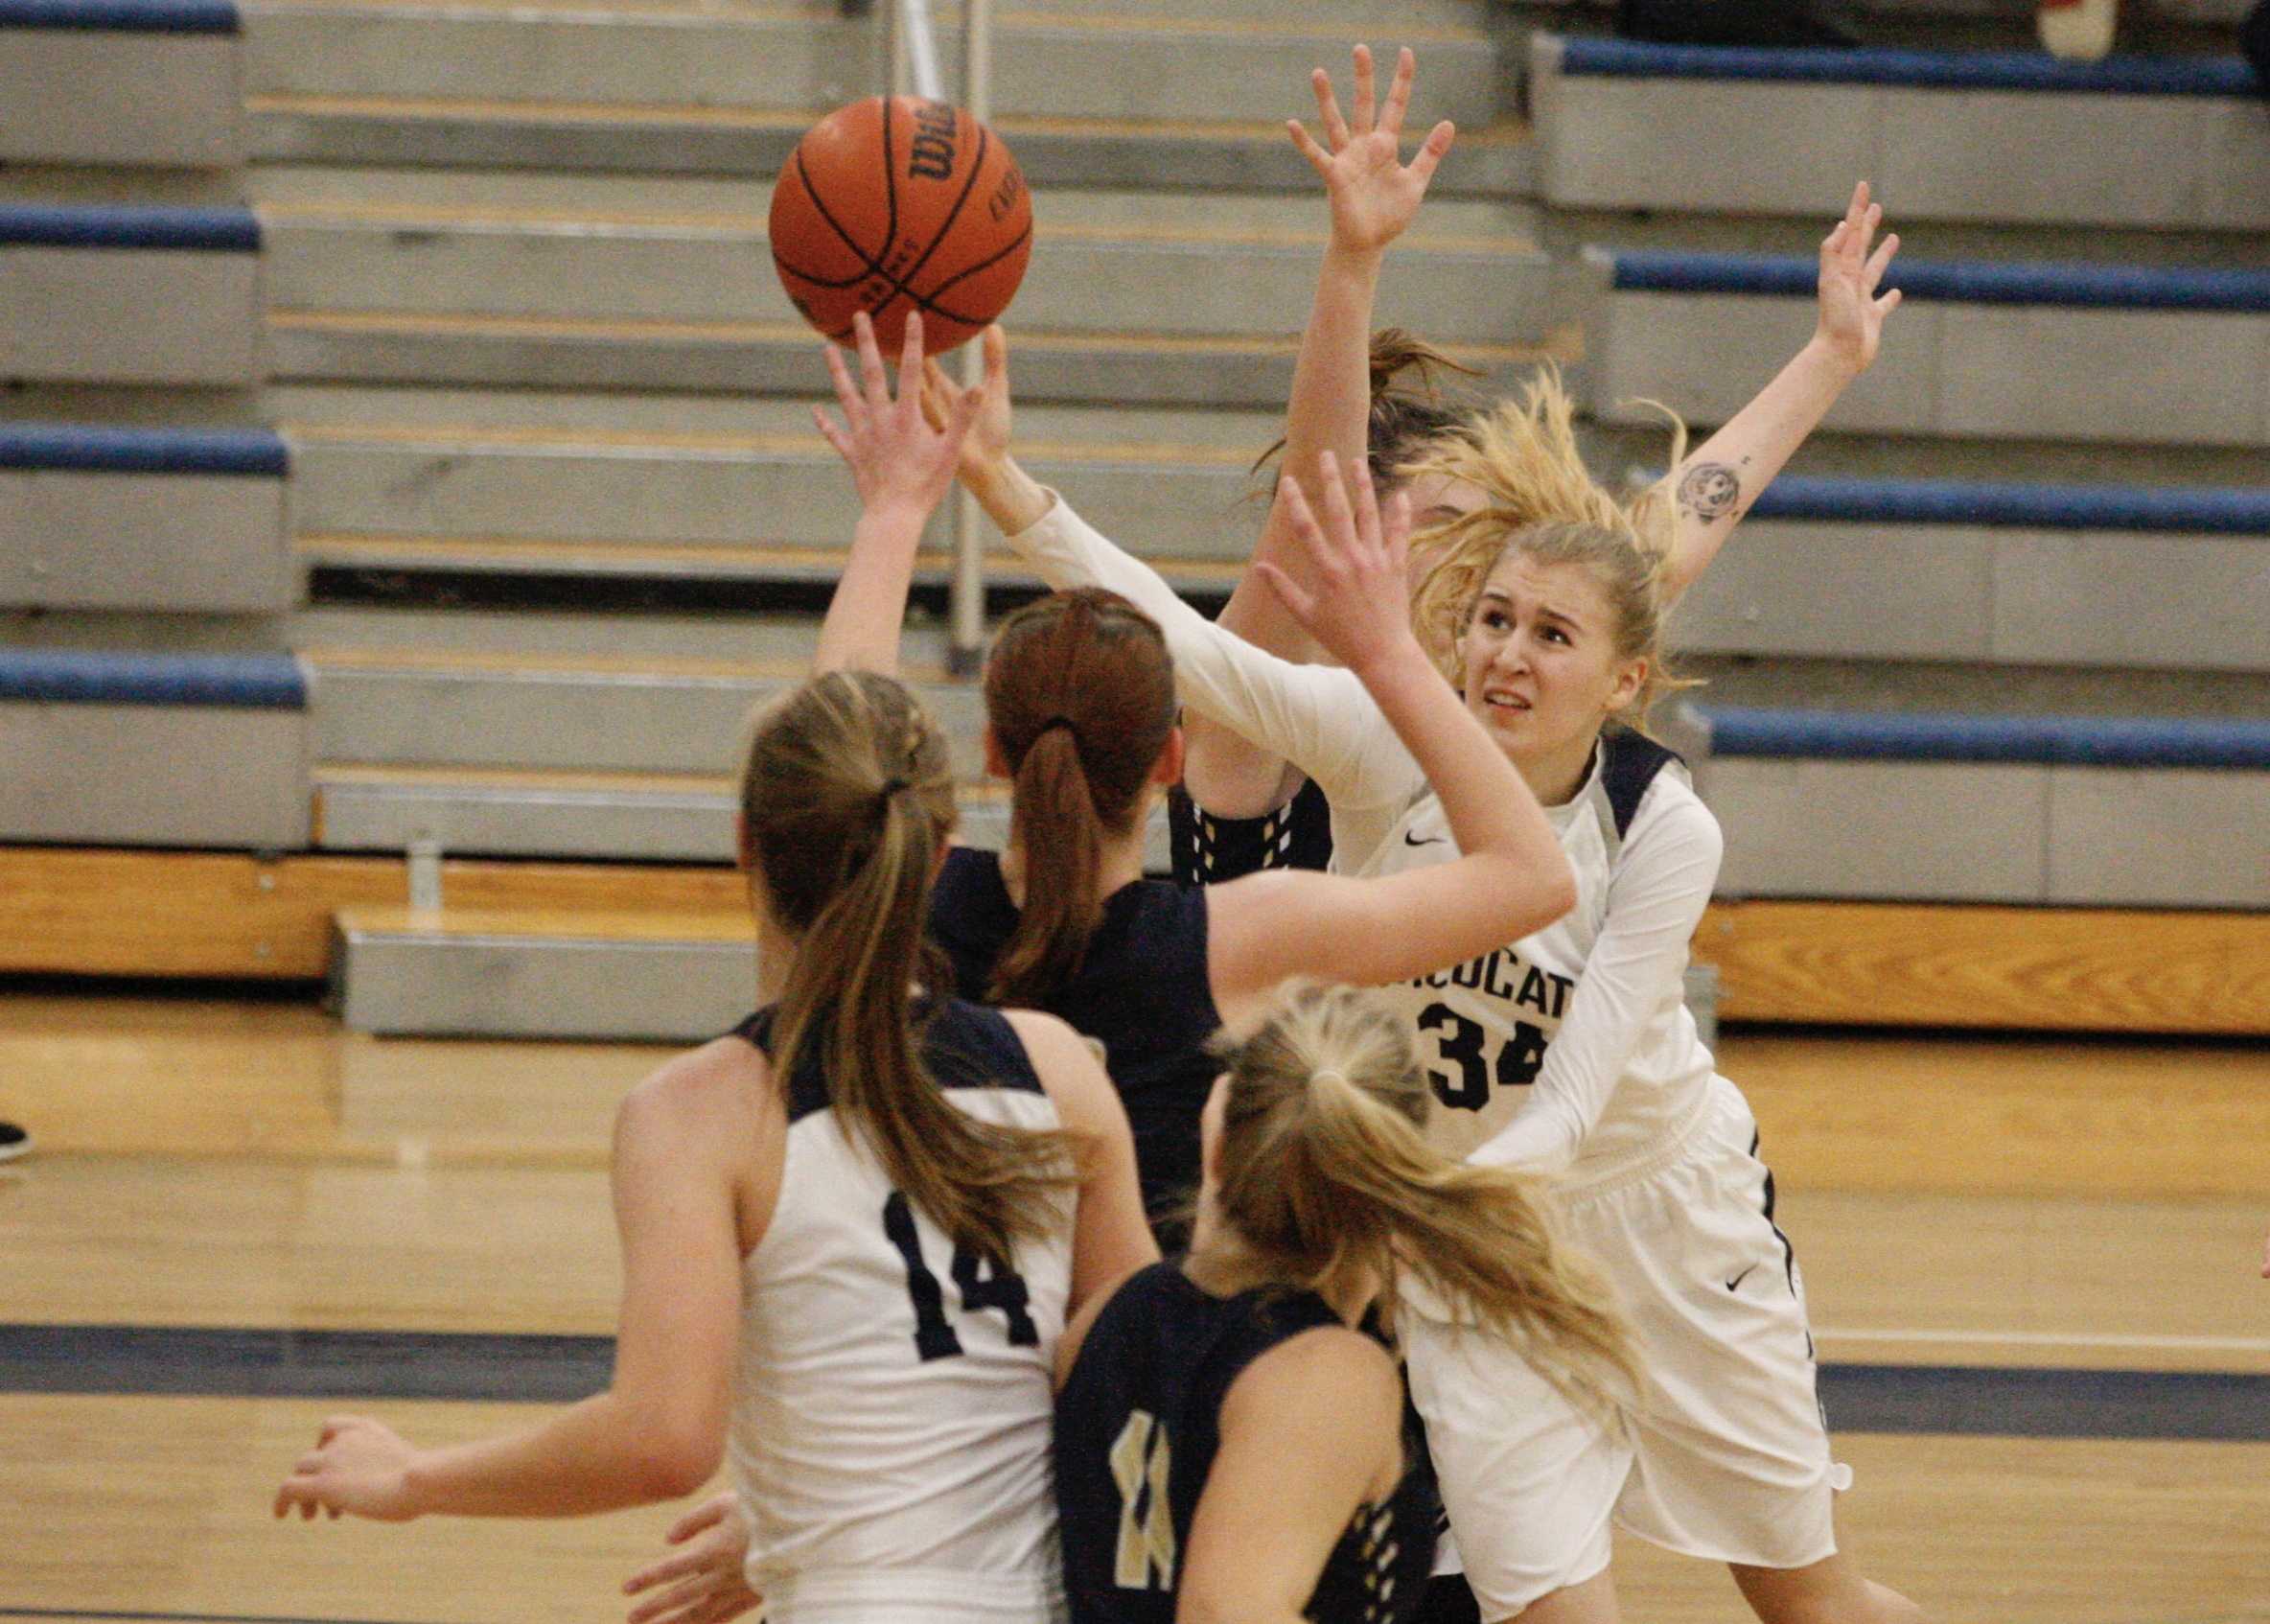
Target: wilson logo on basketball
column 932, row 157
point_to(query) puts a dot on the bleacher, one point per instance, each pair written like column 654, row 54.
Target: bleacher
column 411, row 450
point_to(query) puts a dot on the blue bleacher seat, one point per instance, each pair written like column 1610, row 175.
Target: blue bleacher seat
column 245, row 682
column 1937, row 70
column 2132, row 287
column 49, row 225
column 124, row 17
column 92, row 449
column 2191, row 510
column 2073, row 741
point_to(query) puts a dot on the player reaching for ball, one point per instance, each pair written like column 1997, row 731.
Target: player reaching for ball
column 852, row 1230
column 1080, row 701
column 1570, row 1052
column 1080, row 711
column 1252, row 805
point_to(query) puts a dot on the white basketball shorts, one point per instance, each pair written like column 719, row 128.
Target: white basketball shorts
column 1726, row 1455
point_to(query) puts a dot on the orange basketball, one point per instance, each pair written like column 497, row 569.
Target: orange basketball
column 898, row 204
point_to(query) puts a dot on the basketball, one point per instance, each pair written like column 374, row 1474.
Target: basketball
column 897, row 204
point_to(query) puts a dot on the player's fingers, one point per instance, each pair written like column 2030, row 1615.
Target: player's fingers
column 909, row 355
column 678, row 1598
column 847, row 392
column 937, row 395
column 1300, row 518
column 1879, row 260
column 708, row 1515
column 1328, row 108
column 1399, row 93
column 837, row 441
column 965, row 412
column 1395, row 532
column 1298, row 602
column 1339, row 517
column 1432, row 151
column 1888, row 303
column 1319, row 160
column 995, row 348
column 1858, row 205
column 870, row 361
column 662, row 1573
column 1366, row 105
column 1367, row 505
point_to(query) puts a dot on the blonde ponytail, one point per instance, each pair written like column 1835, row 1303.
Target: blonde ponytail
column 1325, row 1175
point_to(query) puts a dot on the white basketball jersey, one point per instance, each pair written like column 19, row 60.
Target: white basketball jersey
column 891, row 1433
column 1487, row 1029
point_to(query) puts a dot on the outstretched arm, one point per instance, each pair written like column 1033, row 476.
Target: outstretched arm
column 1312, row 715
column 1509, row 877
column 659, row 1430
column 1374, row 197
column 1714, row 487
column 901, row 465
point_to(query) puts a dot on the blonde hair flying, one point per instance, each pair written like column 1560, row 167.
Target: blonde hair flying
column 1522, row 456
column 1326, row 1177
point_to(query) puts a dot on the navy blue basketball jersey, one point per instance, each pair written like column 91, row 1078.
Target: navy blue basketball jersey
column 1142, row 992
column 964, row 1045
column 1138, row 1425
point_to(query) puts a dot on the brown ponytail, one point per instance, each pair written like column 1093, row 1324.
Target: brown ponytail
column 848, row 799
column 1408, row 408
column 1326, row 1177
column 1079, row 693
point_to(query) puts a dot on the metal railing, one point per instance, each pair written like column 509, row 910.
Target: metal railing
column 907, row 43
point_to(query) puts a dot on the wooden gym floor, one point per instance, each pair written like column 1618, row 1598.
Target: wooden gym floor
column 2032, row 1266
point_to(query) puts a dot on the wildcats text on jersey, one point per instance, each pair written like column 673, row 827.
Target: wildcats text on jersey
column 1503, row 973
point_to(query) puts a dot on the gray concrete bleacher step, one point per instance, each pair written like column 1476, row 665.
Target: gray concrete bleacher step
column 1095, row 66
column 674, row 979
column 514, row 812
column 568, row 247
column 629, row 485
column 1492, row 161
column 667, row 978
column 1253, row 371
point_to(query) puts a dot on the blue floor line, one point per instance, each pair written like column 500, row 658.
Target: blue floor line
column 157, row 1361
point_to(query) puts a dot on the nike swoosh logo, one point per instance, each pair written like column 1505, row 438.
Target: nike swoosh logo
column 1739, row 1278
column 1410, row 839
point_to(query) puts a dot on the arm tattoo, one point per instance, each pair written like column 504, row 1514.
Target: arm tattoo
column 1710, row 491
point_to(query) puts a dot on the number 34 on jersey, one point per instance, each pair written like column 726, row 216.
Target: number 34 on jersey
column 1506, row 1050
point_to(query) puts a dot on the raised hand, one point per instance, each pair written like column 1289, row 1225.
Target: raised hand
column 358, row 1466
column 1373, row 192
column 1356, row 599
column 897, row 457
column 707, row 1580
column 1851, row 311
column 987, row 442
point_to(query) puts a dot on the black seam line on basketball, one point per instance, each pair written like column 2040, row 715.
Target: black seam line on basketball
column 977, row 166
column 813, row 192
column 820, row 281
column 889, row 185
column 1022, row 237
column 898, row 288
